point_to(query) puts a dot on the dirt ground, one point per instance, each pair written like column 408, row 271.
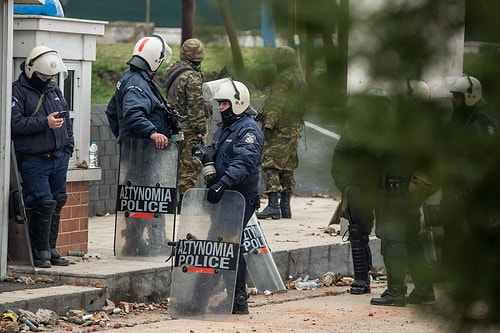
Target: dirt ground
column 327, row 309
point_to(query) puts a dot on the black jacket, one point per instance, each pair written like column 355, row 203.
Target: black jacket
column 30, row 131
column 238, row 155
column 137, row 108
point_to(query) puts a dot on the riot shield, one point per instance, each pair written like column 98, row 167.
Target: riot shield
column 19, row 244
column 260, row 263
column 146, row 200
column 206, row 256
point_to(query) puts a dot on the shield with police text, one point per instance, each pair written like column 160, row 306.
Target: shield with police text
column 146, row 200
column 206, row 256
column 260, row 263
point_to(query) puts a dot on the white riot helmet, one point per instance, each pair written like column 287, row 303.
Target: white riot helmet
column 227, row 89
column 470, row 87
column 45, row 61
column 377, row 91
column 150, row 52
column 418, row 89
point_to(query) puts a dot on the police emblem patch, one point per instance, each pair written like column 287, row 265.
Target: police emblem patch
column 249, row 138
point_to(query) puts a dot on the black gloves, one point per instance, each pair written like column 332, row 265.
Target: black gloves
column 215, row 193
column 203, row 153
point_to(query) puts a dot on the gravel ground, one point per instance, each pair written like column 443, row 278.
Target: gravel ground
column 327, row 309
column 14, row 283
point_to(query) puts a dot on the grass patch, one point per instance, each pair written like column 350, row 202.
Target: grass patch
column 111, row 61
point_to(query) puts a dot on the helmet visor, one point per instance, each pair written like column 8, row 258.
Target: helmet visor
column 49, row 64
column 218, row 90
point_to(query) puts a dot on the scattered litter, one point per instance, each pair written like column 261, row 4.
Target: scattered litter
column 331, row 278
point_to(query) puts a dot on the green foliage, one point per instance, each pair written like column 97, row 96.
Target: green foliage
column 111, row 61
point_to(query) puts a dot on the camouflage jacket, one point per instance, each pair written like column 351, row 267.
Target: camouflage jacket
column 184, row 91
column 284, row 107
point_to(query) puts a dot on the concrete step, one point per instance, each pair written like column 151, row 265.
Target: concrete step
column 299, row 246
column 118, row 280
column 60, row 299
column 87, row 284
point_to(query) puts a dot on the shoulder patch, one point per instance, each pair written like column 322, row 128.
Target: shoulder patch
column 250, row 138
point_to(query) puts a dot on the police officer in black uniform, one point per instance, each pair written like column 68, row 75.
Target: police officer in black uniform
column 43, row 139
column 356, row 170
column 137, row 109
column 406, row 182
column 467, row 151
column 237, row 149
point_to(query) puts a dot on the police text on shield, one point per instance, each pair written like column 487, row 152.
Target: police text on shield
column 207, row 254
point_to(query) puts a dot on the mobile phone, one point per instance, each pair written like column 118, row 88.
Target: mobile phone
column 61, row 114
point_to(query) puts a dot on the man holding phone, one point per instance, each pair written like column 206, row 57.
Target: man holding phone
column 61, row 114
column 43, row 139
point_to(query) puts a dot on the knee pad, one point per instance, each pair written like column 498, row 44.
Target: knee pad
column 46, row 207
column 356, row 232
column 60, row 201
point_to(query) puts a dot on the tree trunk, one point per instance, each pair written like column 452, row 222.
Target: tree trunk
column 233, row 40
column 188, row 10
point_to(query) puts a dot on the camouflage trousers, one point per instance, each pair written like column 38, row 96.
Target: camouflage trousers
column 277, row 180
column 189, row 166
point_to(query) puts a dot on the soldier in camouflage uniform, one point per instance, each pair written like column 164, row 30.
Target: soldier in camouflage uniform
column 183, row 88
column 281, row 118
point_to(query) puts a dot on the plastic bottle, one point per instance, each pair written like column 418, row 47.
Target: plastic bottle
column 93, row 155
column 308, row 285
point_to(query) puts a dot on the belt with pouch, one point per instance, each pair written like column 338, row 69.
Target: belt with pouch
column 396, row 186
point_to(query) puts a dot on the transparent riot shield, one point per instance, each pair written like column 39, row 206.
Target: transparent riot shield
column 146, row 200
column 19, row 244
column 206, row 256
column 260, row 263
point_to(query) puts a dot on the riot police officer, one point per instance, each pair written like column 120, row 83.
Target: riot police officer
column 468, row 145
column 356, row 170
column 406, row 163
column 137, row 110
column 237, row 149
column 44, row 143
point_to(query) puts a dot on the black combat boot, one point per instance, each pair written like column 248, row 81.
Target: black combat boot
column 361, row 259
column 392, row 296
column 422, row 294
column 272, row 210
column 395, row 262
column 286, row 211
column 40, row 226
column 55, row 257
column 240, row 305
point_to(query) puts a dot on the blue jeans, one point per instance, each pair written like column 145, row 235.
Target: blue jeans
column 44, row 179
